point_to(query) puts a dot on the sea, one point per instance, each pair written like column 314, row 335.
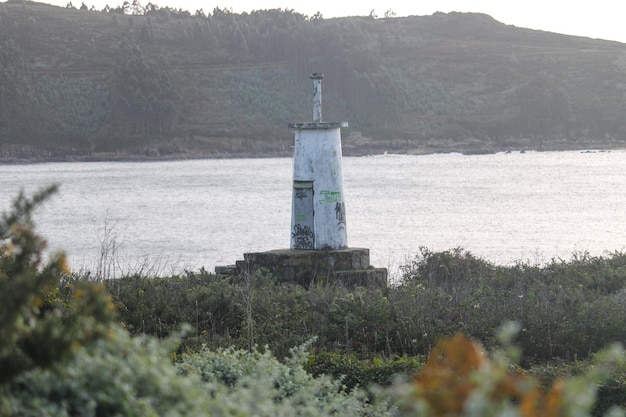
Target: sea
column 168, row 217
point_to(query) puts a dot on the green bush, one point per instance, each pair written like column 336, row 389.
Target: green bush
column 611, row 392
column 159, row 306
column 254, row 383
column 567, row 309
column 42, row 320
column 118, row 376
column 611, row 389
column 360, row 373
column 124, row 376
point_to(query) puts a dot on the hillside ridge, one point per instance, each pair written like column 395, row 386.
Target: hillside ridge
column 148, row 82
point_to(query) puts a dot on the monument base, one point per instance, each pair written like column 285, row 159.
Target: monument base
column 350, row 267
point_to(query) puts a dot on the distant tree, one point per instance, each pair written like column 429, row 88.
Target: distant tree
column 221, row 13
column 151, row 8
column 145, row 98
column 74, row 110
column 18, row 105
column 389, row 14
column 317, row 16
column 373, row 14
column 69, row 5
column 83, row 6
column 183, row 13
column 136, row 8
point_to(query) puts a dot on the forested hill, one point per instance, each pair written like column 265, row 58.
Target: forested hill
column 159, row 82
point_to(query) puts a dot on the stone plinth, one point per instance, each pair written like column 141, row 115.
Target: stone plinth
column 350, row 266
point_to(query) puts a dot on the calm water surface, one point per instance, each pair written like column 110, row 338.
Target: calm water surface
column 202, row 213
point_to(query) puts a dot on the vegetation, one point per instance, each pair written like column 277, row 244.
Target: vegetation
column 64, row 353
column 566, row 309
column 42, row 319
column 567, row 312
column 146, row 80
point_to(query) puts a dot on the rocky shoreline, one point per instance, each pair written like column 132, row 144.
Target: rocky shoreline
column 28, row 154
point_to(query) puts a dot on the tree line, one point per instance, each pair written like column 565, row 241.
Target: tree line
column 146, row 72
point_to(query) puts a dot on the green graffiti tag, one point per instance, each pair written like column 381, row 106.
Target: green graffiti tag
column 330, row 197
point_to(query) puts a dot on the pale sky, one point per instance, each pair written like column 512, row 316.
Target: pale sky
column 604, row 19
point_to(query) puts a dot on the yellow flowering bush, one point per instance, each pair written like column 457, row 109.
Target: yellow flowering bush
column 39, row 324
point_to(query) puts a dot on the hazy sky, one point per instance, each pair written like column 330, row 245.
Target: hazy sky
column 605, row 19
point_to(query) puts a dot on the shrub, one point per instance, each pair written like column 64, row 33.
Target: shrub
column 566, row 309
column 118, row 376
column 62, row 354
column 359, row 373
column 41, row 321
column 459, row 379
column 158, row 306
column 254, row 383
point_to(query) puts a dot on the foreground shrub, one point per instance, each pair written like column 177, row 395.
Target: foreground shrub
column 257, row 384
column 361, row 373
column 125, row 376
column 611, row 391
column 118, row 376
column 62, row 354
column 459, row 379
column 42, row 318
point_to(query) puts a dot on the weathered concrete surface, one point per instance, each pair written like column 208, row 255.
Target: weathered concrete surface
column 351, row 267
column 318, row 214
column 317, row 161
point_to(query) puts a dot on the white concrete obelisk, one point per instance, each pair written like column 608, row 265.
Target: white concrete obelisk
column 318, row 215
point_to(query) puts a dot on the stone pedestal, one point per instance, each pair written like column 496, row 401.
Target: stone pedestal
column 351, row 267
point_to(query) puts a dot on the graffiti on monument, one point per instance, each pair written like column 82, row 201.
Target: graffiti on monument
column 301, row 193
column 340, row 214
column 330, row 197
column 302, row 236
